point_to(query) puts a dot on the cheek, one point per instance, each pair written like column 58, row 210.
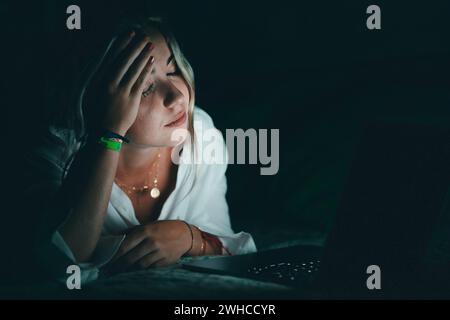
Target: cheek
column 147, row 118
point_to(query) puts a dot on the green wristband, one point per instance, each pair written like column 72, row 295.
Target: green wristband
column 110, row 144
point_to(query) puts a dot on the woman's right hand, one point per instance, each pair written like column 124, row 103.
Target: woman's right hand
column 114, row 93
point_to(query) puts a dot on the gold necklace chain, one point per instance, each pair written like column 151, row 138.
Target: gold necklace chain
column 154, row 192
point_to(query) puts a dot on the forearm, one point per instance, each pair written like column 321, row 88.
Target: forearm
column 82, row 228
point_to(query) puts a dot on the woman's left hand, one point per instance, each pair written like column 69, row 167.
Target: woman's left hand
column 157, row 244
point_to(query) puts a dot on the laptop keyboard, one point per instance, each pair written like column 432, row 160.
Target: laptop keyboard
column 285, row 271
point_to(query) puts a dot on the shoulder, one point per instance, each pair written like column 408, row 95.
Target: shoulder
column 207, row 136
column 202, row 120
column 205, row 128
column 51, row 148
column 211, row 152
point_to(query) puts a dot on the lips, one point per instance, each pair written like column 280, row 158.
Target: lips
column 179, row 119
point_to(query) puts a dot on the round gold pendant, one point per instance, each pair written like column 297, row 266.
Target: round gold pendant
column 154, row 193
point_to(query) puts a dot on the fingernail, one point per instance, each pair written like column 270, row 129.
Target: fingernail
column 152, row 58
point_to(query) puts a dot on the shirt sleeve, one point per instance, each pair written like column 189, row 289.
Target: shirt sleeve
column 105, row 250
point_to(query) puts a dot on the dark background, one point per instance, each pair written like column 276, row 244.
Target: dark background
column 309, row 68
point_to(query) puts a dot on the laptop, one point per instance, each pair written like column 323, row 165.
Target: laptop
column 396, row 190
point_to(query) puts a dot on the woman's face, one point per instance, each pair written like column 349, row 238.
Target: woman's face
column 165, row 99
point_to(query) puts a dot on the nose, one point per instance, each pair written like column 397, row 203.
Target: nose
column 171, row 95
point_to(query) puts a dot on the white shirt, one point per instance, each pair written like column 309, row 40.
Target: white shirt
column 204, row 206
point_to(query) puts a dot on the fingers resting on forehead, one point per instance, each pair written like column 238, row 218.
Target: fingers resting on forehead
column 126, row 59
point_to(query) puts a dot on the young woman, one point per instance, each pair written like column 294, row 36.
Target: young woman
column 125, row 204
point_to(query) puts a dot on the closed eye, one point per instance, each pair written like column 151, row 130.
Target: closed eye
column 152, row 86
column 177, row 72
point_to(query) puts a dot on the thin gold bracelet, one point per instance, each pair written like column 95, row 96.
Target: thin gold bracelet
column 203, row 248
column 192, row 237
